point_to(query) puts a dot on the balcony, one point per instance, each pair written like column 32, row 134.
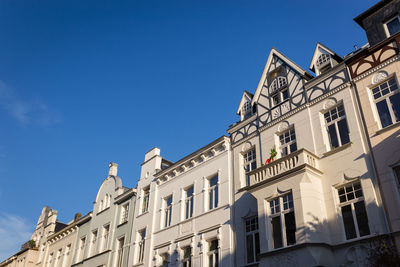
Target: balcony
column 295, row 161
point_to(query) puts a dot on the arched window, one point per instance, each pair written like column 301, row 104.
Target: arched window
column 278, row 83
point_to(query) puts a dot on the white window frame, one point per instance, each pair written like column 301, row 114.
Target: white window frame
column 145, row 200
column 249, row 163
column 141, row 237
column 279, row 210
column 213, row 193
column 351, row 202
column 246, row 108
column 385, row 98
column 57, row 257
column 167, row 218
column 119, row 255
column 106, row 236
column 386, row 27
column 81, row 248
column 214, row 253
column 282, row 142
column 253, row 234
column 335, row 122
column 93, row 242
column 66, row 255
column 189, row 203
column 322, row 62
column 124, row 213
column 187, row 261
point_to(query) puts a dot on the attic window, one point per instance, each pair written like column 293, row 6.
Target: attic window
column 323, row 60
column 278, row 83
column 246, row 110
column 392, row 26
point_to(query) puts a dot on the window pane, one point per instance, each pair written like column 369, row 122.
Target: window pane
column 277, row 231
column 348, row 222
column 290, row 224
column 257, row 242
column 384, row 114
column 293, row 147
column 250, row 248
column 393, row 26
column 216, row 197
column 333, row 136
column 397, row 173
column 211, row 200
column 214, row 181
column 210, row 261
column 395, row 102
column 362, row 218
column 343, row 131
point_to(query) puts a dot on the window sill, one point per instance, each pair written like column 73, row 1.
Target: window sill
column 138, row 264
column 338, row 149
column 123, row 223
column 253, row 264
column 387, row 128
column 102, row 211
column 142, row 214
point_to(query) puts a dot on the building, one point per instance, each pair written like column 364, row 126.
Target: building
column 183, row 212
column 34, row 251
column 99, row 241
column 375, row 71
column 305, row 190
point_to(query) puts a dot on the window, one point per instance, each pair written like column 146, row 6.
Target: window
column 250, row 163
column 246, row 110
column 213, row 193
column 279, row 91
column 287, row 142
column 252, row 239
column 145, row 203
column 189, row 203
column 353, row 210
column 81, row 248
column 164, row 260
column 124, row 213
column 213, row 253
column 58, row 257
column 141, row 237
column 283, row 222
column 66, row 255
column 396, row 171
column 120, row 250
column 323, row 60
column 187, row 256
column 93, row 243
column 106, row 236
column 167, row 211
column 387, row 100
column 336, row 125
column 393, row 26
column 49, row 261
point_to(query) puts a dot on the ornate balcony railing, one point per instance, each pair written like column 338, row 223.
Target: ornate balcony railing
column 294, row 161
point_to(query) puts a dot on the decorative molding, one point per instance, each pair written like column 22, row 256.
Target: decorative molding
column 378, row 77
column 384, row 64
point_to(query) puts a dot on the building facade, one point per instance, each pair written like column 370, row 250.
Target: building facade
column 99, row 241
column 183, row 212
column 375, row 71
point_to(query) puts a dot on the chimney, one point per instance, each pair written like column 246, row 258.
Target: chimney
column 113, row 169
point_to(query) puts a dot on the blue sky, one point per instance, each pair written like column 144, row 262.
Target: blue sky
column 83, row 83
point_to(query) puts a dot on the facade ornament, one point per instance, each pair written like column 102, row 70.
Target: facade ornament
column 378, row 77
column 283, row 126
column 329, row 103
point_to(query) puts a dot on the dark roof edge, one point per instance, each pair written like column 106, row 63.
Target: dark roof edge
column 369, row 11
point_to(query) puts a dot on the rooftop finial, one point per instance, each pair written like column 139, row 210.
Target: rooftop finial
column 113, row 169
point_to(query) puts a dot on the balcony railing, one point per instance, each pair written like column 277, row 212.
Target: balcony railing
column 296, row 160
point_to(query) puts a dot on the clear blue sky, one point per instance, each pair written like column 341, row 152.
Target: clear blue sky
column 83, row 83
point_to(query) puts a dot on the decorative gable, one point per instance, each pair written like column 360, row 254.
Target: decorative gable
column 281, row 87
column 245, row 108
column 323, row 59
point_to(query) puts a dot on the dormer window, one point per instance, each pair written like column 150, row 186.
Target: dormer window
column 323, row 62
column 392, row 26
column 279, row 90
column 246, row 110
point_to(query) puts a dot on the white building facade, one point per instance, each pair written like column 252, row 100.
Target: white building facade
column 183, row 210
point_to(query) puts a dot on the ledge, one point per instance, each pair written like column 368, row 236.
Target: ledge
column 102, row 211
column 338, row 149
column 387, row 128
column 121, row 224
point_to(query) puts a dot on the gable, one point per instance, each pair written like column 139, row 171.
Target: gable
column 246, row 97
column 277, row 59
column 319, row 50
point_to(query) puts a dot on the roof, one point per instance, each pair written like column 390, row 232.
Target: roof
column 359, row 19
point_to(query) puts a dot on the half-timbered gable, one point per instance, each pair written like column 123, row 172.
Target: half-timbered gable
column 323, row 59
